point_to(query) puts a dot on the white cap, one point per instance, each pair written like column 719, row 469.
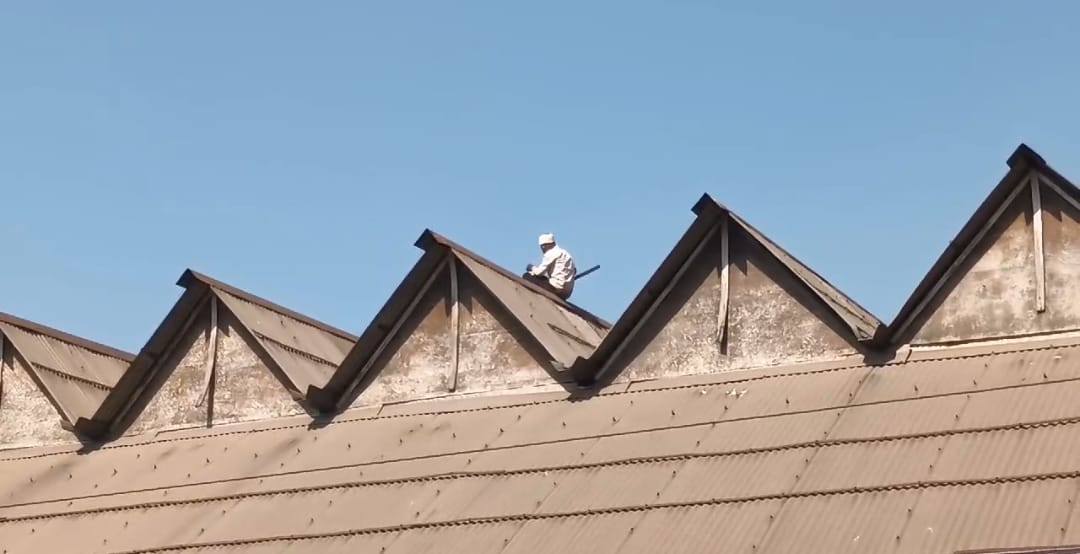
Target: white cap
column 547, row 238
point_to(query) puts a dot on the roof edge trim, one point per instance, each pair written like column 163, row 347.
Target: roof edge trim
column 191, row 275
column 87, row 344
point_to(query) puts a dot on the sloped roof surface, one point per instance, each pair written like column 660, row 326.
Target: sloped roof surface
column 306, row 350
column 951, row 449
column 864, row 325
column 565, row 331
column 76, row 373
column 1023, row 160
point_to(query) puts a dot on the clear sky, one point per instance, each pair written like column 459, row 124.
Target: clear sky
column 298, row 149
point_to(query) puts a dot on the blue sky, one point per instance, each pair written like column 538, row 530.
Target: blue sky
column 298, row 149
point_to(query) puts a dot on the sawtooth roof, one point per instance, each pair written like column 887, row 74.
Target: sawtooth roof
column 924, row 449
column 305, row 351
column 1022, row 161
column 863, row 325
column 934, row 451
column 565, row 331
column 75, row 374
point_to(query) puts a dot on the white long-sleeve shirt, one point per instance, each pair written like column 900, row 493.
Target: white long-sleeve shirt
column 558, row 266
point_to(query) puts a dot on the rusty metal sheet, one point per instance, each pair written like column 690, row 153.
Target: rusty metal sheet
column 737, row 527
column 870, row 464
column 1033, row 403
column 737, row 476
column 600, row 487
column 768, row 432
column 596, row 534
column 840, row 523
column 567, row 420
column 922, row 415
column 1010, row 453
column 66, row 357
column 565, row 335
column 465, row 539
column 965, row 517
column 791, row 393
column 642, row 445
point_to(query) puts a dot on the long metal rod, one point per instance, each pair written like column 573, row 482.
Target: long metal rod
column 1040, row 255
column 579, row 276
column 960, row 259
column 393, row 332
column 656, row 303
column 455, row 329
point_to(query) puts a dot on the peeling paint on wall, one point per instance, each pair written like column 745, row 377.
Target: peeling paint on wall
column 494, row 353
column 772, row 319
column 27, row 418
column 243, row 387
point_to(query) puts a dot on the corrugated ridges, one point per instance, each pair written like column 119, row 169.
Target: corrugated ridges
column 74, row 373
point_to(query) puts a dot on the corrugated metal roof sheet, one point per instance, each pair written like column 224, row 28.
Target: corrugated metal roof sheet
column 76, row 374
column 837, row 460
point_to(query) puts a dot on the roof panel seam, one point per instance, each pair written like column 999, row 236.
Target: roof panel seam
column 641, row 460
column 918, row 485
column 622, row 392
column 293, row 349
column 70, row 377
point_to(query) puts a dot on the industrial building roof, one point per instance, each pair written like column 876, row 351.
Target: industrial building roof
column 937, row 446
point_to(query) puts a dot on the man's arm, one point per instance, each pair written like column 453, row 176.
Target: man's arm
column 545, row 263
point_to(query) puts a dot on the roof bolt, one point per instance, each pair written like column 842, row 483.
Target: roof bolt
column 772, row 516
column 564, row 424
column 453, row 435
column 1044, row 375
column 485, row 445
column 114, row 472
column 417, row 514
column 189, row 476
column 69, row 476
column 957, row 417
column 500, row 430
column 916, row 388
column 631, row 529
column 297, row 450
column 256, row 454
column 672, row 412
column 155, row 466
column 974, row 382
column 519, row 417
column 658, row 494
column 311, row 521
column 468, row 461
column 348, row 446
column 897, row 538
column 208, row 460
column 698, row 443
column 437, row 493
column 399, row 441
column 614, row 419
column 125, row 524
column 673, row 472
column 202, row 530
column 787, row 401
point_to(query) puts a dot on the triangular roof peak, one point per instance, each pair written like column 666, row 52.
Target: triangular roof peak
column 295, row 350
column 717, row 233
column 540, row 331
column 1019, row 242
column 73, row 373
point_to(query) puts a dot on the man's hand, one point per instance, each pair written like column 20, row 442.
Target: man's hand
column 528, row 268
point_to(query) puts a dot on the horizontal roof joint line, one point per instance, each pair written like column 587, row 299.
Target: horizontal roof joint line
column 293, row 349
column 643, row 460
column 633, row 508
column 66, row 375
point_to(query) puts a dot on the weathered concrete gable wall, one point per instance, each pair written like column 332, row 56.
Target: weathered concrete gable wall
column 1061, row 244
column 993, row 294
column 243, row 388
column 772, row 319
column 27, row 418
column 494, row 351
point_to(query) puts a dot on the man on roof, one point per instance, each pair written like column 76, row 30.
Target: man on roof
column 556, row 271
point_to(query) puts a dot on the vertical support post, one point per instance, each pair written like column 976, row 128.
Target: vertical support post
column 455, row 324
column 725, row 283
column 1040, row 255
column 2, row 370
column 211, row 351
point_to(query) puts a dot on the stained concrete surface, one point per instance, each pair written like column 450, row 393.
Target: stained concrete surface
column 772, row 319
column 27, row 417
